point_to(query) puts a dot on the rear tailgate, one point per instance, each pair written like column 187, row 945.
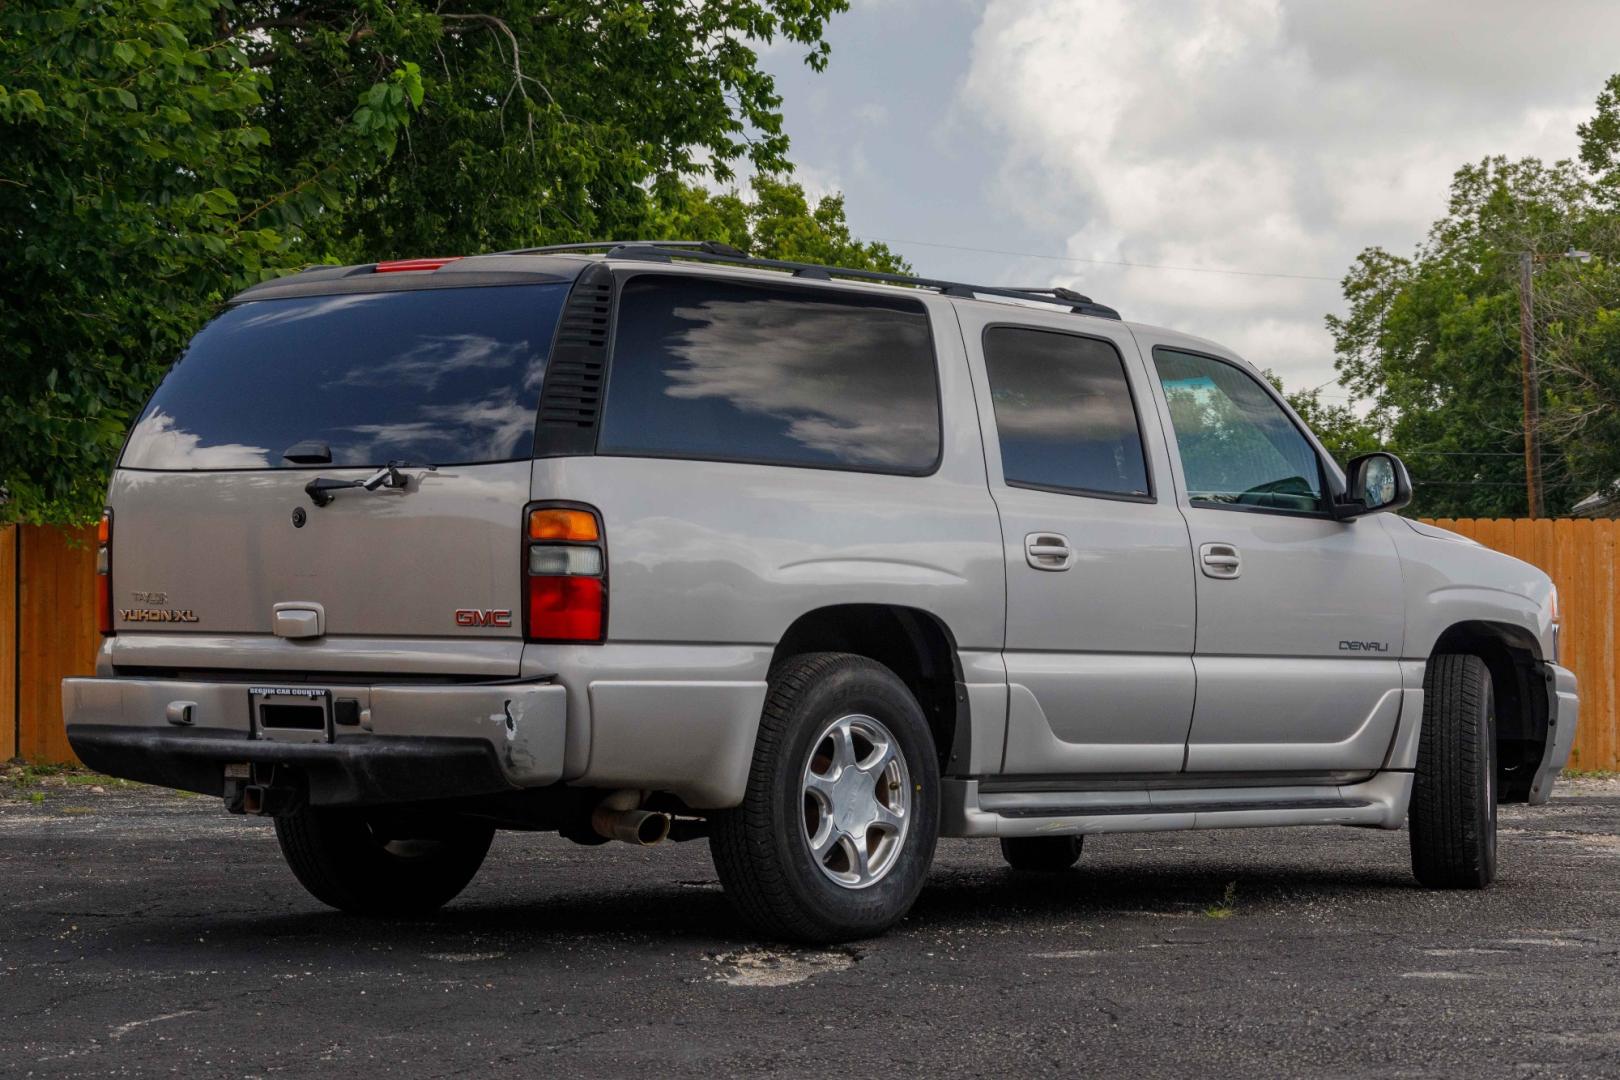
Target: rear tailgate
column 213, row 529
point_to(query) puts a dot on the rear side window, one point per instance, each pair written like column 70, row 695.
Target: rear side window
column 428, row 376
column 731, row 371
column 1064, row 414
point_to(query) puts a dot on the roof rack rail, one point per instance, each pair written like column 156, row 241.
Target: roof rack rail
column 712, row 251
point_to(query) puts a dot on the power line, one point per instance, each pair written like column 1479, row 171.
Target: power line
column 1106, row 262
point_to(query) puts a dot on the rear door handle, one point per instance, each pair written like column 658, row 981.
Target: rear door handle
column 1048, row 551
column 1220, row 560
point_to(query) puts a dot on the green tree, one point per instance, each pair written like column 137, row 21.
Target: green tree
column 157, row 155
column 776, row 222
column 1432, row 340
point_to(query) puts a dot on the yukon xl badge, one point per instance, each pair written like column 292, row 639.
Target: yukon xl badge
column 1364, row 646
column 146, row 614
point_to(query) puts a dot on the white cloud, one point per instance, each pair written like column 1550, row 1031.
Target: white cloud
column 1262, row 135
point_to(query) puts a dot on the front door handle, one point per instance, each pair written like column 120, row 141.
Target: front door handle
column 1220, row 560
column 1048, row 551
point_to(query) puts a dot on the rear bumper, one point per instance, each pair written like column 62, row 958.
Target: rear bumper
column 1563, row 714
column 656, row 718
column 413, row 742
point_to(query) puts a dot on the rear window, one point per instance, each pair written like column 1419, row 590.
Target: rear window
column 428, row 376
column 730, row 371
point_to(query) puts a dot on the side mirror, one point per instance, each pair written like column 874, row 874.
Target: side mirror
column 1376, row 482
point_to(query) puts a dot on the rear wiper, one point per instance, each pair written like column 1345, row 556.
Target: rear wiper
column 321, row 488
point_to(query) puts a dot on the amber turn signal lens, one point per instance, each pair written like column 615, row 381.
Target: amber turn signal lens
column 104, row 529
column 560, row 524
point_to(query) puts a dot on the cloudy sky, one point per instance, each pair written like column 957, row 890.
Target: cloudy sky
column 1268, row 140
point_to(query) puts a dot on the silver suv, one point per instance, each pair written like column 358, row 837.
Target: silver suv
column 653, row 541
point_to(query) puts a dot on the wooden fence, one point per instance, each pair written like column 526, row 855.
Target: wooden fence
column 47, row 632
column 1579, row 555
column 48, row 624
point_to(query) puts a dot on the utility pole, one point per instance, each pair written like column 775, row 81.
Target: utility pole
column 1532, row 387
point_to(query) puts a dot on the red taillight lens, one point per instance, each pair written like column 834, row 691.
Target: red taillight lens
column 566, row 608
column 104, row 604
column 405, row 266
column 565, row 576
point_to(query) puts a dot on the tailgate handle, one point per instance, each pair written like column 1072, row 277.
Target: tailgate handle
column 298, row 619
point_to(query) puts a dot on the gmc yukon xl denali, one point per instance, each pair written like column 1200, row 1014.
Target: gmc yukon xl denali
column 653, row 541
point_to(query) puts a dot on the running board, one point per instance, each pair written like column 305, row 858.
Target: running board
column 965, row 810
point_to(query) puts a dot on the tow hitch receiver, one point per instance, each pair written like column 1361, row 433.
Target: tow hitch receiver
column 259, row 791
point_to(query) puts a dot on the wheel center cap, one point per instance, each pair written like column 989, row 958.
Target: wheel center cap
column 854, row 802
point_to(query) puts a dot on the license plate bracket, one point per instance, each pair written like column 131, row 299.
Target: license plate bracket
column 291, row 713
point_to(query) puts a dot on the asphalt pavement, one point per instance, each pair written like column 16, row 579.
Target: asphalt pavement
column 143, row 933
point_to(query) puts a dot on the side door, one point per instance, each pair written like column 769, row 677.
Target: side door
column 1300, row 616
column 1099, row 571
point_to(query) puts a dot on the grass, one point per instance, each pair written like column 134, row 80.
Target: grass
column 1590, row 774
column 1227, row 906
column 31, row 778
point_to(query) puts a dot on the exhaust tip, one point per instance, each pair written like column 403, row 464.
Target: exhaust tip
column 651, row 829
column 643, row 828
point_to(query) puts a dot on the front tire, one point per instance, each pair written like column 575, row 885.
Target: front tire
column 365, row 864
column 1452, row 821
column 837, row 826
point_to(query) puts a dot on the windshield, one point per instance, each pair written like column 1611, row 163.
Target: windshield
column 428, row 376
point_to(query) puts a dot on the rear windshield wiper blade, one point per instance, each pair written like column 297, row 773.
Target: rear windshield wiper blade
column 321, row 488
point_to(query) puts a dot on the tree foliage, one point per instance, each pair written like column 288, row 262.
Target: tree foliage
column 158, row 155
column 1432, row 339
column 776, row 222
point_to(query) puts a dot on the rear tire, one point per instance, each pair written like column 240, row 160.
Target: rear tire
column 1452, row 821
column 1041, row 854
column 350, row 860
column 837, row 826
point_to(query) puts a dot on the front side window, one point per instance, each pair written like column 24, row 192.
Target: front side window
column 1238, row 447
column 1064, row 415
column 733, row 371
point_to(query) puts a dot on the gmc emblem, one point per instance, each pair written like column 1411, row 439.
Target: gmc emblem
column 480, row 617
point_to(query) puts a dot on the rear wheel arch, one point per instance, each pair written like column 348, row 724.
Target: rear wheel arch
column 1512, row 655
column 913, row 643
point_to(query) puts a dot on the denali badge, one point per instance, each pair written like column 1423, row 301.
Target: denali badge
column 1364, row 646
column 146, row 614
column 481, row 617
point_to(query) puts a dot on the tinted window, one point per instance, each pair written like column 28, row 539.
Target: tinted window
column 736, row 372
column 436, row 376
column 1237, row 445
column 1064, row 413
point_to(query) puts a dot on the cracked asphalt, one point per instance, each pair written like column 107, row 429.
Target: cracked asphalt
column 142, row 933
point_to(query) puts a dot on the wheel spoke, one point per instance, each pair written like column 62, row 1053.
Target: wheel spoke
column 878, row 760
column 888, row 821
column 861, row 862
column 822, row 789
column 823, row 842
column 843, row 741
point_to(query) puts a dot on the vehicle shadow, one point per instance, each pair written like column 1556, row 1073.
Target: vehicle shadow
column 697, row 913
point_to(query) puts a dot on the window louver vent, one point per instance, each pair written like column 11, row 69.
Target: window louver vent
column 571, row 402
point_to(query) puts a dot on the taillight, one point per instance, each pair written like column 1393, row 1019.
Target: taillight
column 565, row 575
column 104, row 604
column 406, row 266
